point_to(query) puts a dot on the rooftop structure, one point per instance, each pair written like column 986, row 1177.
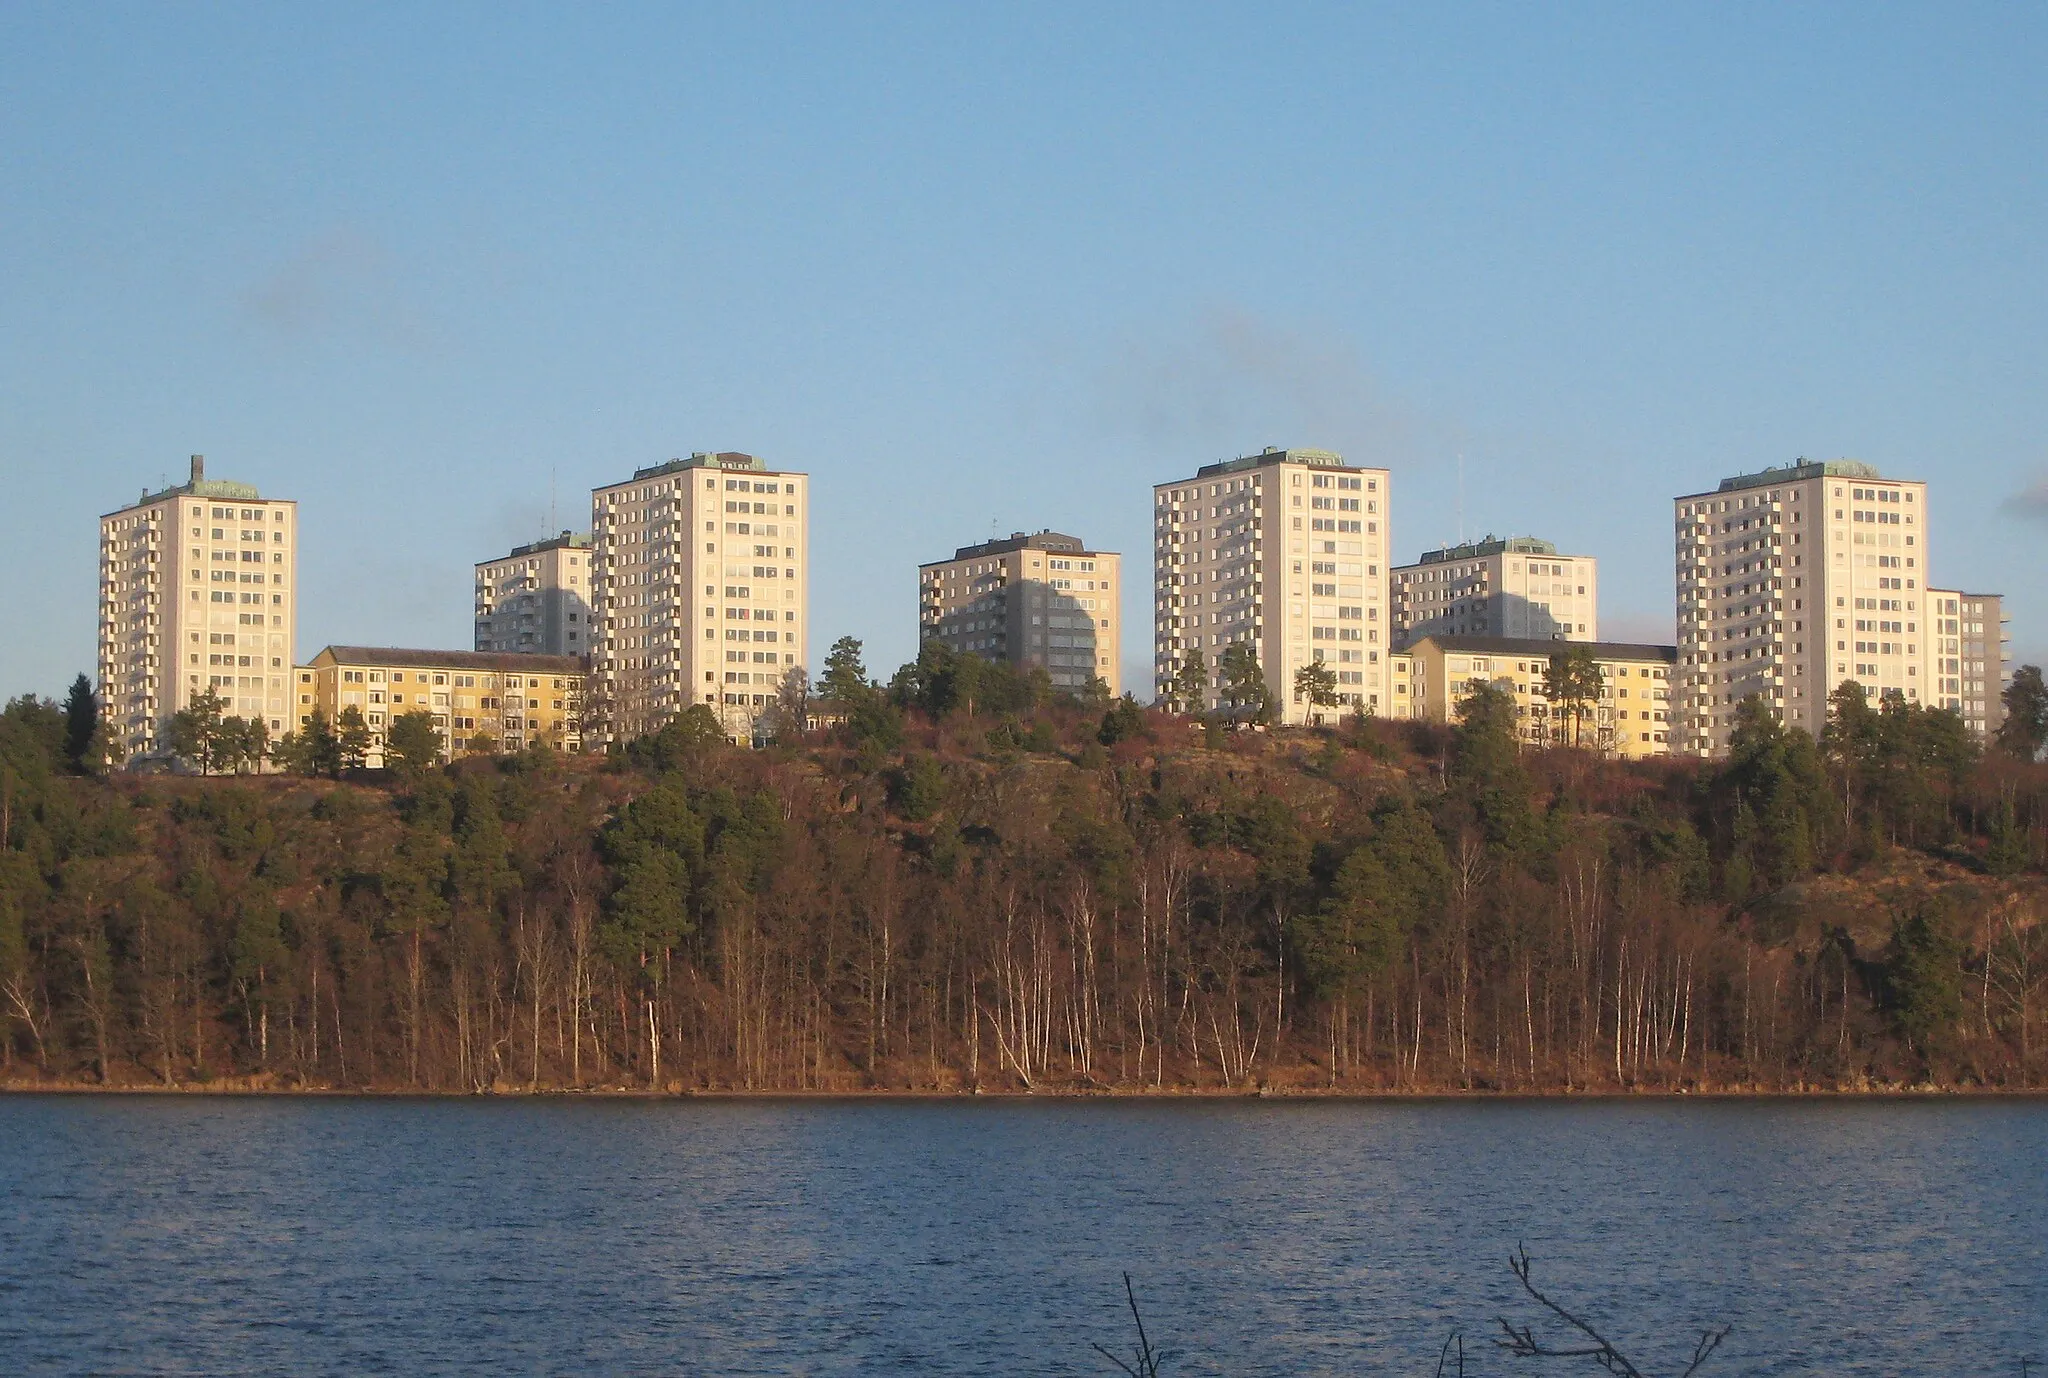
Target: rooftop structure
column 1490, row 545
column 1798, row 471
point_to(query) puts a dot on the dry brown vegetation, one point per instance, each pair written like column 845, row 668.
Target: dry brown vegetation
column 959, row 902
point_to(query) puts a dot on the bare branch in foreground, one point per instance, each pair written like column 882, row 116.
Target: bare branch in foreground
column 1523, row 1343
column 1146, row 1358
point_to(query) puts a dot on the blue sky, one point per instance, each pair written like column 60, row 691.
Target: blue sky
column 990, row 268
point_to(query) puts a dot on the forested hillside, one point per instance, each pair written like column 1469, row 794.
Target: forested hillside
column 1025, row 893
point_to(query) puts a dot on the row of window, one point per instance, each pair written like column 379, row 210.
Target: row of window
column 439, row 677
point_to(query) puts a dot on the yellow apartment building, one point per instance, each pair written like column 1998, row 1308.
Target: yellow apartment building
column 492, row 701
column 1401, row 703
column 1632, row 717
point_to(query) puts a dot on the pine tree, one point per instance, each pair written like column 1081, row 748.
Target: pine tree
column 81, row 726
column 2025, row 729
column 1189, row 688
column 1316, row 683
column 845, row 680
column 351, row 739
column 1243, row 682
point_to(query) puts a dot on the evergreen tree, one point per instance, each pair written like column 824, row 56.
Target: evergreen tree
column 1573, row 683
column 1924, row 978
column 413, row 743
column 874, row 725
column 313, row 749
column 1488, row 784
column 1483, row 748
column 919, row 788
column 683, row 742
column 1243, row 683
column 81, row 727
column 2007, row 853
column 2025, row 729
column 194, row 732
column 1316, row 684
column 1773, row 794
column 256, row 746
column 1397, row 880
column 1188, row 690
column 845, row 681
column 231, row 746
column 351, row 740
column 1122, row 722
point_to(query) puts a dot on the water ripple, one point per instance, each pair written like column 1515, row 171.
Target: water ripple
column 180, row 1235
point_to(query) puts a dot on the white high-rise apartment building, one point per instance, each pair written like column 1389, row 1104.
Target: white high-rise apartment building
column 1518, row 587
column 1043, row 599
column 1791, row 581
column 1285, row 550
column 701, row 587
column 198, row 589
column 1971, row 648
column 536, row 600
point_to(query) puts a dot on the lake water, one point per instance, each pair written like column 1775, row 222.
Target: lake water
column 198, row 1235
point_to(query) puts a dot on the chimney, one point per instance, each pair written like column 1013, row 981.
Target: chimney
column 198, row 469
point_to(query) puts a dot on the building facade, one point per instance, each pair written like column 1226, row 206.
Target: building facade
column 701, row 591
column 536, row 600
column 1401, row 703
column 1793, row 580
column 1043, row 599
column 1971, row 652
column 1284, row 551
column 1518, row 587
column 481, row 702
column 1631, row 718
column 198, row 588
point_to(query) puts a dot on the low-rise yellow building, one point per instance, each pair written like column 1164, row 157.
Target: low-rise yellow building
column 481, row 701
column 1401, row 701
column 1631, row 718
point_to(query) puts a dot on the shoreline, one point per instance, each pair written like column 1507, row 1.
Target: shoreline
column 1186, row 1094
